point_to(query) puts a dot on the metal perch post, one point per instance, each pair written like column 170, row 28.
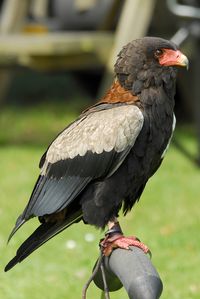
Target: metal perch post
column 132, row 269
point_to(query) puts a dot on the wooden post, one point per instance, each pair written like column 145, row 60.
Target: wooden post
column 39, row 8
column 12, row 15
column 11, row 20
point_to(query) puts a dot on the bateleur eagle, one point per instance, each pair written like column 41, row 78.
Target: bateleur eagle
column 102, row 161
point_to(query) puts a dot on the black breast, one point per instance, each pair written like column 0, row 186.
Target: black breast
column 102, row 199
column 146, row 155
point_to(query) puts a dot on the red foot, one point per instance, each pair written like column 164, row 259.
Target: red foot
column 119, row 241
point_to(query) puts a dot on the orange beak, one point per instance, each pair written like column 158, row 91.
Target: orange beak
column 173, row 58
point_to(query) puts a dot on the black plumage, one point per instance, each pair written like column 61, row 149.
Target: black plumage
column 103, row 160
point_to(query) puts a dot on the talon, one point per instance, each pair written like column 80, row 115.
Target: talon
column 115, row 239
column 119, row 241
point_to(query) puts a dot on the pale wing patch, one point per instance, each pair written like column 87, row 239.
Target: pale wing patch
column 173, row 128
column 100, row 131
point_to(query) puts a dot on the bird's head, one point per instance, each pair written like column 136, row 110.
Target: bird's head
column 148, row 61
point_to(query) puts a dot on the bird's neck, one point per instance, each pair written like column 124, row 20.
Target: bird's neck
column 118, row 94
column 153, row 92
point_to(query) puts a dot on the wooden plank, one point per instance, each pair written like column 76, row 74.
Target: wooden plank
column 39, row 9
column 54, row 51
column 55, row 43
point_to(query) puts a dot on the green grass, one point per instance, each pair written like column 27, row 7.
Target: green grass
column 35, row 125
column 166, row 219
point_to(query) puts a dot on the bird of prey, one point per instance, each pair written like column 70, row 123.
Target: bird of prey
column 102, row 161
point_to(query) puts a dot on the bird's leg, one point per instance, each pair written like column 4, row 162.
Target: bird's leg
column 114, row 238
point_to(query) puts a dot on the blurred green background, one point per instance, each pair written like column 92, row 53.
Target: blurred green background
column 37, row 105
column 166, row 218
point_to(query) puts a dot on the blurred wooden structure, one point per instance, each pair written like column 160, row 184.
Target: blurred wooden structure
column 38, row 48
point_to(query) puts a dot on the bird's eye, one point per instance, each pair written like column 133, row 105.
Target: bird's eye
column 158, row 53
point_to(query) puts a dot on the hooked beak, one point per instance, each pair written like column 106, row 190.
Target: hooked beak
column 173, row 58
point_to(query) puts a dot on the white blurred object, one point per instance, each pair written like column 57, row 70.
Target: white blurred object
column 89, row 237
column 70, row 244
column 83, row 5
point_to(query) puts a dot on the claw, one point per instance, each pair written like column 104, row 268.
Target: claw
column 119, row 241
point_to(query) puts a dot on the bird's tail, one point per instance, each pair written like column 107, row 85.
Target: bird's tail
column 40, row 236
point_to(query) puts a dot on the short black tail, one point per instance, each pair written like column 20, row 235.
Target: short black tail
column 40, row 236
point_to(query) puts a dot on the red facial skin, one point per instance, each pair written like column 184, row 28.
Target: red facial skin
column 171, row 58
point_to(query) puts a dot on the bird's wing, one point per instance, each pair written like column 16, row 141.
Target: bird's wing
column 92, row 147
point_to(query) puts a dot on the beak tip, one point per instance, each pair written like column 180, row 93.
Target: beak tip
column 187, row 64
column 185, row 61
